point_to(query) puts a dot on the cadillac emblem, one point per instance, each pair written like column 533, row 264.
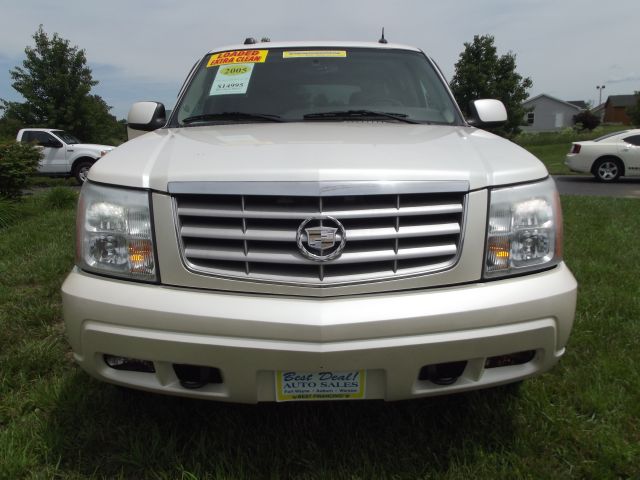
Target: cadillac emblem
column 321, row 238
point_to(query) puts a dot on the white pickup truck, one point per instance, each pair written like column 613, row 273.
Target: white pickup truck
column 63, row 154
column 317, row 221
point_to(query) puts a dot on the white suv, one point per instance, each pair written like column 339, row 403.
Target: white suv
column 317, row 221
column 63, row 155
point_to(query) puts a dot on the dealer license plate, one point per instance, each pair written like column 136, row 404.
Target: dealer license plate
column 298, row 386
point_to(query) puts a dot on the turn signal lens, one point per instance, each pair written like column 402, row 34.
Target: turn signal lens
column 141, row 256
column 498, row 253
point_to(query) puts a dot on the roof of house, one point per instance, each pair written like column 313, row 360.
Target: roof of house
column 598, row 108
column 622, row 100
column 533, row 99
column 579, row 103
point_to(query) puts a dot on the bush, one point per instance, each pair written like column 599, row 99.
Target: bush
column 18, row 162
column 60, row 198
column 634, row 112
column 586, row 120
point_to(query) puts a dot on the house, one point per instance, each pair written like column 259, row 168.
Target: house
column 615, row 109
column 547, row 113
column 579, row 103
column 599, row 111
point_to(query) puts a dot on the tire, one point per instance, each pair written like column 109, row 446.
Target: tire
column 607, row 169
column 81, row 170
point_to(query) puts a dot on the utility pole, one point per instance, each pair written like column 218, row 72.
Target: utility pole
column 600, row 88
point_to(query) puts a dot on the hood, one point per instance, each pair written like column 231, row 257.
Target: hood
column 92, row 146
column 317, row 151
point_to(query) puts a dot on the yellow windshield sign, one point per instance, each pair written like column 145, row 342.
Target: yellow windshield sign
column 238, row 56
column 315, row 54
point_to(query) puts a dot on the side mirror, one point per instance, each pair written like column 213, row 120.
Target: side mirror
column 487, row 113
column 145, row 117
column 53, row 144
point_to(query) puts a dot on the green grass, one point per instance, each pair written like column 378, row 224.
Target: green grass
column 9, row 212
column 552, row 156
column 40, row 181
column 552, row 147
column 581, row 420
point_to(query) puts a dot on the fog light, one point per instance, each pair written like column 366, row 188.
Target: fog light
column 196, row 376
column 129, row 364
column 509, row 359
column 442, row 373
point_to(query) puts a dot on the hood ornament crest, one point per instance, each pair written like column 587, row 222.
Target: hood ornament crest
column 321, row 238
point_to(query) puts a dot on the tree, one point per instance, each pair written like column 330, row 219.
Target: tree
column 634, row 112
column 105, row 127
column 586, row 120
column 56, row 82
column 481, row 73
column 8, row 128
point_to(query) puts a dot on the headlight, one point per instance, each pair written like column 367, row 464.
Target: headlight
column 524, row 230
column 114, row 234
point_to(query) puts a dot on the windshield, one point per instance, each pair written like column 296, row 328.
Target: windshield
column 65, row 137
column 315, row 84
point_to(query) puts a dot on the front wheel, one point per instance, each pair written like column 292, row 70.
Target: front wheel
column 607, row 170
column 81, row 171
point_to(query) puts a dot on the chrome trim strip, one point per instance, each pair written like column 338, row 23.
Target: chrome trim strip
column 301, row 215
column 320, row 188
column 360, row 234
column 291, row 258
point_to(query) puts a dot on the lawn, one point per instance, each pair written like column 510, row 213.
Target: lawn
column 581, row 420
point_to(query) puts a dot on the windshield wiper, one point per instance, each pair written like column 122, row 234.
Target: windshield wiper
column 358, row 114
column 232, row 116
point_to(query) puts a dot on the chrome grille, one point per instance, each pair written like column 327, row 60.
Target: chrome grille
column 417, row 229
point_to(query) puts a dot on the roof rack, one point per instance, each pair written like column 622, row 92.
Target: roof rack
column 251, row 40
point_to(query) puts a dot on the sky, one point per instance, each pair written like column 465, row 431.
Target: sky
column 143, row 49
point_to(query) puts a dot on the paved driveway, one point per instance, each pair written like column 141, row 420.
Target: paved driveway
column 587, row 185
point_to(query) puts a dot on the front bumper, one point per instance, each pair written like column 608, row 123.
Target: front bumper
column 249, row 337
